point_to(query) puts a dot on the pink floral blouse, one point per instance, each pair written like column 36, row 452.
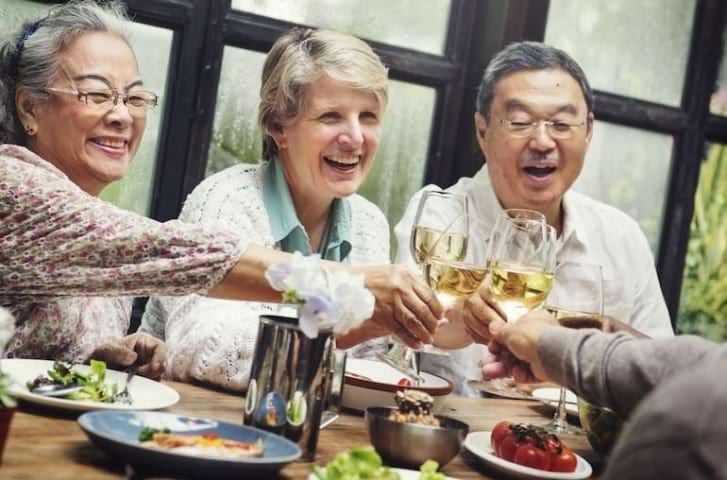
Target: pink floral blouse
column 71, row 263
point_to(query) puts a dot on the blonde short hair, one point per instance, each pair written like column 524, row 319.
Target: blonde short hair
column 299, row 58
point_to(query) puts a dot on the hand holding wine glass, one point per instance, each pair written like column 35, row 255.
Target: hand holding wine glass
column 576, row 301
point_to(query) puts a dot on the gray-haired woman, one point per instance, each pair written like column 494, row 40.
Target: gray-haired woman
column 74, row 110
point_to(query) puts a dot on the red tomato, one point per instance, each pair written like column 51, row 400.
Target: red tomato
column 531, row 456
column 508, row 447
column 404, row 382
column 500, row 431
column 565, row 461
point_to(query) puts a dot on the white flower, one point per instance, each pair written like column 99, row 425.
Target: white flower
column 337, row 300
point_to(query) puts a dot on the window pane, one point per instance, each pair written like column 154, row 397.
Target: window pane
column 399, row 167
column 636, row 49
column 718, row 105
column 379, row 20
column 152, row 46
column 703, row 307
column 629, row 169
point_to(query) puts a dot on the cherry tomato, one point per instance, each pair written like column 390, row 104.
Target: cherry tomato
column 565, row 461
column 404, row 382
column 500, row 431
column 508, row 447
column 531, row 456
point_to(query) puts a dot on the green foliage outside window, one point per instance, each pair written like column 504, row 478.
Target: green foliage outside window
column 703, row 308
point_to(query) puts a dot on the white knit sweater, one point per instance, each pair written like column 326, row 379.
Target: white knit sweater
column 213, row 340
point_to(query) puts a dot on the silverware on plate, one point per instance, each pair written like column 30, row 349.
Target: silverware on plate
column 56, row 390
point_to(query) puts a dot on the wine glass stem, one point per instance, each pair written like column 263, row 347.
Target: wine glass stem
column 560, row 413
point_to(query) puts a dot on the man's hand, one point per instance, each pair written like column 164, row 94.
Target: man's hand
column 514, row 350
column 405, row 305
column 121, row 353
column 478, row 311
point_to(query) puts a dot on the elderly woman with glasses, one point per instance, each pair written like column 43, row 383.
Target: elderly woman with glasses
column 72, row 113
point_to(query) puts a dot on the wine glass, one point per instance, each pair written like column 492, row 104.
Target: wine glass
column 439, row 232
column 521, row 261
column 440, row 227
column 576, row 301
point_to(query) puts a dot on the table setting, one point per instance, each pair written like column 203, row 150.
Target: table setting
column 311, row 412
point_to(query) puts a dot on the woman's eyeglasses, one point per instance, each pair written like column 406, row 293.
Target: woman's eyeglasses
column 137, row 101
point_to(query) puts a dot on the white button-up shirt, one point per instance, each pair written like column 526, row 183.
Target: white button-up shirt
column 593, row 232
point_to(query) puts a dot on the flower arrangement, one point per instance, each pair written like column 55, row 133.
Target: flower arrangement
column 325, row 299
column 7, row 328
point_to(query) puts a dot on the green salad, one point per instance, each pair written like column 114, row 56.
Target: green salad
column 93, row 386
column 362, row 463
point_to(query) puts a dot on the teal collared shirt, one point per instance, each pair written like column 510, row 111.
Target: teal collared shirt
column 287, row 230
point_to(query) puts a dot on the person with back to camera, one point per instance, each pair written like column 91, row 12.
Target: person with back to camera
column 72, row 115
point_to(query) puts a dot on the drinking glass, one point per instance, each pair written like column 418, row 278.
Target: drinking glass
column 576, row 301
column 439, row 232
column 521, row 261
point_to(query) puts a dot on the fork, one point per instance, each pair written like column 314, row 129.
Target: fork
column 124, row 396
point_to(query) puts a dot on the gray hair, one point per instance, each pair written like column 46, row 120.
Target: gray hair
column 29, row 58
column 528, row 56
column 299, row 58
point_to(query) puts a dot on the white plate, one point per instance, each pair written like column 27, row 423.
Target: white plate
column 403, row 473
column 478, row 443
column 369, row 383
column 147, row 394
column 550, row 396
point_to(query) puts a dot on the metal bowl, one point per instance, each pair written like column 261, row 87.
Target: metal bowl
column 409, row 445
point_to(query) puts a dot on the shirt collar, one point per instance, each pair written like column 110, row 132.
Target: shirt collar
column 286, row 228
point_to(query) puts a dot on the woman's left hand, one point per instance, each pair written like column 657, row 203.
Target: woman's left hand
column 122, row 353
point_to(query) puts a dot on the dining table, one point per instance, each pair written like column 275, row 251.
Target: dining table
column 49, row 444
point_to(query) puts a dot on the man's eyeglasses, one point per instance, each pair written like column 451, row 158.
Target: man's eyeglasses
column 138, row 101
column 556, row 129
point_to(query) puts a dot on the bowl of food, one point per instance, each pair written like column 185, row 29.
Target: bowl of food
column 409, row 434
column 602, row 426
column 370, row 383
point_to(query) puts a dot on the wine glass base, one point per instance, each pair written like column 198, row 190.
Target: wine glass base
column 562, row 427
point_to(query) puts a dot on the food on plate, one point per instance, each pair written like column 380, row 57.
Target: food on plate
column 208, row 444
column 531, row 446
column 414, row 406
column 93, row 383
column 404, row 382
column 364, row 463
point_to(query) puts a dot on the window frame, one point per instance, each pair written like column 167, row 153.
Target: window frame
column 477, row 29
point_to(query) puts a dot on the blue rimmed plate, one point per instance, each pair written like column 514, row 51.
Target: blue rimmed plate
column 117, row 433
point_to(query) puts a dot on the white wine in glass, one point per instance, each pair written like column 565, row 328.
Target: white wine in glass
column 453, row 281
column 519, row 289
column 428, row 243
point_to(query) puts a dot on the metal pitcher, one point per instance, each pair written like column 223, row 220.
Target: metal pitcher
column 293, row 379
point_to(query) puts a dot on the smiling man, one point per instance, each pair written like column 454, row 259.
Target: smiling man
column 534, row 123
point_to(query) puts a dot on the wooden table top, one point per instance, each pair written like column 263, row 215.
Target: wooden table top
column 49, row 444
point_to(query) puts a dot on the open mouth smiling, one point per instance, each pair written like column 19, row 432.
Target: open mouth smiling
column 342, row 163
column 539, row 172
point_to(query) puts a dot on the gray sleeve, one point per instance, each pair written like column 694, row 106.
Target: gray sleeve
column 678, row 430
column 618, row 370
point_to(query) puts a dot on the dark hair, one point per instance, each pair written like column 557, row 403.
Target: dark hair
column 528, row 56
column 29, row 58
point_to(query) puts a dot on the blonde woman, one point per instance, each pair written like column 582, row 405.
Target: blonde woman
column 323, row 98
